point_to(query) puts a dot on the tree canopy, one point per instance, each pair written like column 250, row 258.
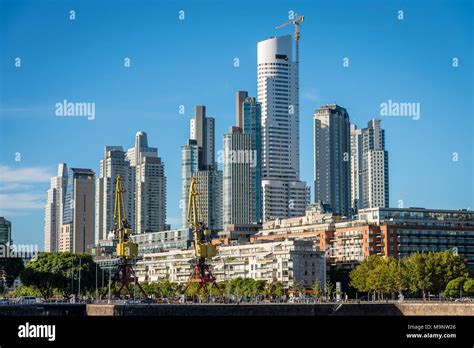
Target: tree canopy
column 419, row 272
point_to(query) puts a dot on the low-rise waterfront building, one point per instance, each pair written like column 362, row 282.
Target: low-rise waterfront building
column 154, row 242
column 393, row 232
column 290, row 262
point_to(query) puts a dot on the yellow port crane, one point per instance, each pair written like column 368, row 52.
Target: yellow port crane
column 203, row 248
column 127, row 250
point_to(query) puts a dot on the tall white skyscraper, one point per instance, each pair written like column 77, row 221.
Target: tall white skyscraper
column 278, row 96
column 369, row 167
column 149, row 186
column 332, row 182
column 113, row 164
column 54, row 209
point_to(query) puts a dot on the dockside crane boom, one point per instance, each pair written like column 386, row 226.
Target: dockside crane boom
column 296, row 23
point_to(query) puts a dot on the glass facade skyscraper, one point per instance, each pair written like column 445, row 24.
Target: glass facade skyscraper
column 252, row 124
column 5, row 231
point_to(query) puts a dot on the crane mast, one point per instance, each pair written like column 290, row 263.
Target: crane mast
column 126, row 250
column 203, row 248
column 296, row 23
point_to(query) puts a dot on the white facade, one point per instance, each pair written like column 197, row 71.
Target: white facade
column 332, row 184
column 290, row 262
column 356, row 168
column 375, row 192
column 150, row 193
column 149, row 186
column 369, row 167
column 278, row 96
column 54, row 209
column 209, row 199
column 283, row 199
column 113, row 164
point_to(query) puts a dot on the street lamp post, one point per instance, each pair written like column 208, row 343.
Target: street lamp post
column 109, row 285
column 79, row 282
column 72, row 277
column 96, row 287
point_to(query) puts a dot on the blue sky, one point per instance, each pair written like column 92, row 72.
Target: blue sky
column 191, row 62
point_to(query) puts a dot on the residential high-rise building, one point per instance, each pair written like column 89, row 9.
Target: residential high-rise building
column 240, row 97
column 54, row 209
column 113, row 164
column 252, row 124
column 202, row 130
column 150, row 193
column 375, row 190
column 369, row 167
column 209, row 200
column 239, row 178
column 77, row 232
column 189, row 166
column 356, row 169
column 5, row 232
column 278, row 96
column 332, row 183
column 149, row 186
column 198, row 159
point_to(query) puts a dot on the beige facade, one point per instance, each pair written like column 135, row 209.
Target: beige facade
column 65, row 239
column 290, row 262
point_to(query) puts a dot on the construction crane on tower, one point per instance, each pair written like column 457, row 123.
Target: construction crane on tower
column 296, row 23
column 127, row 250
column 203, row 248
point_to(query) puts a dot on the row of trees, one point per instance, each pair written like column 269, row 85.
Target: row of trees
column 419, row 273
column 58, row 274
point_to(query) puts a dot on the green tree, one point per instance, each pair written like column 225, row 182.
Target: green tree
column 273, row 289
column 42, row 281
column 442, row 267
column 469, row 287
column 328, row 288
column 24, row 290
column 258, row 287
column 455, row 287
column 418, row 279
column 359, row 276
column 316, row 289
column 385, row 278
column 59, row 271
column 11, row 268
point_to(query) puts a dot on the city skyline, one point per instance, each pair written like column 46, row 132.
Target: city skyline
column 402, row 177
